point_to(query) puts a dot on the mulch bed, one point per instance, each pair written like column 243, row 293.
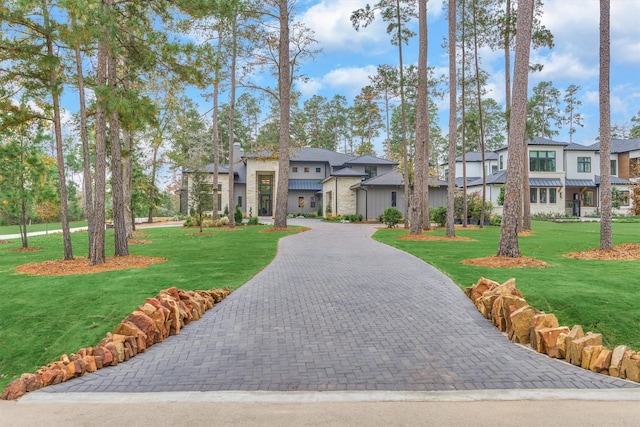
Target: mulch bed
column 505, row 262
column 29, row 249
column 81, row 265
column 429, row 237
column 134, row 241
column 627, row 251
column 5, row 242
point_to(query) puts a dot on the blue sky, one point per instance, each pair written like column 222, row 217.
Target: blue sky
column 349, row 57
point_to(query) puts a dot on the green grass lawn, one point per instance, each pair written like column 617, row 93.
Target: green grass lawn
column 14, row 229
column 602, row 296
column 42, row 318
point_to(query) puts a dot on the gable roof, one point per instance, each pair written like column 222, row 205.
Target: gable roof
column 239, row 171
column 348, row 172
column 620, row 145
column 393, row 178
column 476, row 156
column 538, row 140
column 578, row 147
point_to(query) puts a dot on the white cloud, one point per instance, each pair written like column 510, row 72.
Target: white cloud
column 563, row 67
column 330, row 21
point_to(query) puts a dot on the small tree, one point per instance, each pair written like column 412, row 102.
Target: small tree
column 201, row 197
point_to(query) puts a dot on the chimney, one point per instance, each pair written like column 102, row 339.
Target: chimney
column 238, row 152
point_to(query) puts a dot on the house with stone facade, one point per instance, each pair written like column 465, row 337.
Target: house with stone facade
column 320, row 181
column 563, row 177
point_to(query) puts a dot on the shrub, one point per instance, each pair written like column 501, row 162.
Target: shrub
column 496, row 220
column 439, row 215
column 253, row 220
column 237, row 215
column 391, row 217
column 327, row 210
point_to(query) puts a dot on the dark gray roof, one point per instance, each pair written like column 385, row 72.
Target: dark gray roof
column 239, row 171
column 370, row 160
column 495, row 178
column 578, row 147
column 545, row 182
column 305, row 184
column 538, row 140
column 615, row 180
column 476, row 156
column 470, row 179
column 620, row 145
column 392, row 178
column 580, row 183
column 348, row 172
column 308, row 154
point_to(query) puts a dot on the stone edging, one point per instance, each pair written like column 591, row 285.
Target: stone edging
column 151, row 323
column 504, row 305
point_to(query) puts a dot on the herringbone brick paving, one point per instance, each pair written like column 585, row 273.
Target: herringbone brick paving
column 337, row 311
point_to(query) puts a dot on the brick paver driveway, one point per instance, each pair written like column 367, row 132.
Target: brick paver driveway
column 337, row 310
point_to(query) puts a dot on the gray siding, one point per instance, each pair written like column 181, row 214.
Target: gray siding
column 240, row 190
column 373, row 202
column 312, row 174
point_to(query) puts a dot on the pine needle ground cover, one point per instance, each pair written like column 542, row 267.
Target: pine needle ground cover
column 43, row 317
column 601, row 295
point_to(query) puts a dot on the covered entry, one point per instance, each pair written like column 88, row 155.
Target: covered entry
column 265, row 195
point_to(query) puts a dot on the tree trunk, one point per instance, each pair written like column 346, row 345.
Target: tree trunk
column 127, row 180
column 517, row 129
column 86, row 153
column 465, row 207
column 232, row 107
column 422, row 125
column 606, row 232
column 96, row 254
column 284, row 83
column 480, row 123
column 119, row 227
column 507, row 62
column 152, row 187
column 451, row 185
column 24, row 214
column 404, row 123
column 57, row 128
column 215, row 134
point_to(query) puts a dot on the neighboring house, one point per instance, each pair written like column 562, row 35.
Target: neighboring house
column 320, row 181
column 563, row 177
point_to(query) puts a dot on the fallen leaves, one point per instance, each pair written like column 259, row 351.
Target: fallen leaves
column 81, row 265
column 29, row 249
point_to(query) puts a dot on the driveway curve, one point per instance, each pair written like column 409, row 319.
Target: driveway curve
column 338, row 311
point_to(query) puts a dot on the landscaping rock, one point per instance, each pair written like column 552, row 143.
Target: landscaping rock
column 577, row 345
column 547, row 340
column 15, row 390
column 485, row 302
column 633, row 367
column 625, row 363
column 616, row 360
column 502, row 308
column 145, row 324
column 602, row 362
column 540, row 321
column 520, row 324
column 481, row 286
column 589, row 355
column 576, row 332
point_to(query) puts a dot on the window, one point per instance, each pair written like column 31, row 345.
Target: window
column 543, row 195
column 589, row 198
column 446, row 175
column 542, row 161
column 306, row 170
column 301, row 202
column 294, row 169
column 219, row 187
column 219, row 202
column 394, row 199
column 312, row 202
column 318, row 170
column 533, row 195
column 614, row 167
column 494, row 169
column 624, row 198
column 584, row 164
column 552, row 195
column 371, row 171
column 501, row 162
column 240, row 201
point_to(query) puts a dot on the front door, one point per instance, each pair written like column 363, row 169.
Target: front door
column 576, row 204
column 265, row 195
